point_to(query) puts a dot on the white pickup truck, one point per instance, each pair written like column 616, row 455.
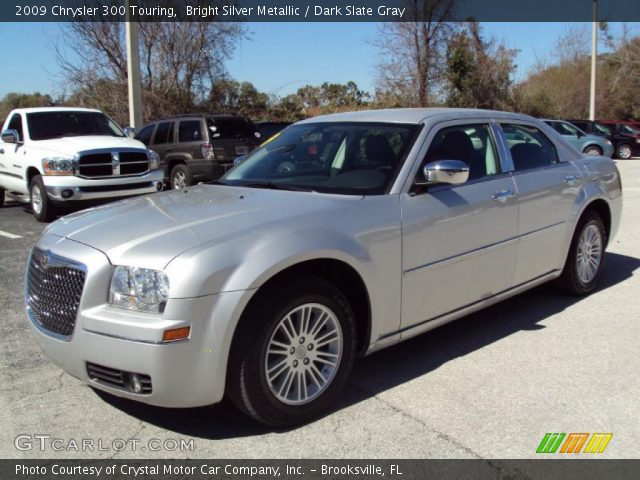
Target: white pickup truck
column 58, row 156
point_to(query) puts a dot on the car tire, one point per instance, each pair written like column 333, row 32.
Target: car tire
column 593, row 150
column 1, row 197
column 180, row 177
column 41, row 206
column 277, row 375
column 585, row 261
column 623, row 152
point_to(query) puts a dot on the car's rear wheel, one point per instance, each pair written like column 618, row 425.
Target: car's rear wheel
column 584, row 263
column 41, row 206
column 593, row 150
column 623, row 152
column 293, row 353
column 180, row 177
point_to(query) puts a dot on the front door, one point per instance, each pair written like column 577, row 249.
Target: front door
column 12, row 164
column 459, row 241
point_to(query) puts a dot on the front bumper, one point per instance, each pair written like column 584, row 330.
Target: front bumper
column 106, row 188
column 185, row 373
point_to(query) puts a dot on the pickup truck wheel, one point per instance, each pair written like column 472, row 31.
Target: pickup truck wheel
column 293, row 354
column 623, row 152
column 180, row 177
column 586, row 257
column 41, row 206
column 593, row 150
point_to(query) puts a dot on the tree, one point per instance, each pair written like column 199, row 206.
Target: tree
column 23, row 100
column 180, row 61
column 479, row 72
column 411, row 52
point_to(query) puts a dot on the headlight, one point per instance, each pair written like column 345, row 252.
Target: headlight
column 58, row 166
column 154, row 159
column 140, row 289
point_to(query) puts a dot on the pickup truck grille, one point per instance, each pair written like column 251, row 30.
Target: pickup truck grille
column 53, row 290
column 112, row 163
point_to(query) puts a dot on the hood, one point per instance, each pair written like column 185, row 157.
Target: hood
column 152, row 230
column 72, row 145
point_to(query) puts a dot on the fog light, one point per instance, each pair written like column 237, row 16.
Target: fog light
column 135, row 383
column 176, row 334
column 67, row 193
column 159, row 186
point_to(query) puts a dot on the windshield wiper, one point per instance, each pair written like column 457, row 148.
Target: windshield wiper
column 277, row 186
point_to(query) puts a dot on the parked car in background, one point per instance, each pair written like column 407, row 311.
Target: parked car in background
column 346, row 234
column 71, row 156
column 625, row 145
column 199, row 147
column 585, row 143
column 624, row 128
column 269, row 129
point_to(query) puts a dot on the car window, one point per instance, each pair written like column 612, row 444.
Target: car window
column 603, row 129
column 190, row 131
column 565, row 128
column 164, row 133
column 581, row 125
column 232, row 127
column 471, row 144
column 530, row 147
column 16, row 124
column 69, row 123
column 628, row 129
column 145, row 134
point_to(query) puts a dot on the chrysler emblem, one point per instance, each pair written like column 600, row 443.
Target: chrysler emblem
column 44, row 260
column 115, row 163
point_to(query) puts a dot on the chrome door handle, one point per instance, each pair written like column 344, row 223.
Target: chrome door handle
column 503, row 195
column 572, row 180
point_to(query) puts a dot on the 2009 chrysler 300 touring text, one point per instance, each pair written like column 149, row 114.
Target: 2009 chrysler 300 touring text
column 340, row 236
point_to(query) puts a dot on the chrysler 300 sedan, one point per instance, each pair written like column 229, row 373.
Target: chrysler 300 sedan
column 342, row 235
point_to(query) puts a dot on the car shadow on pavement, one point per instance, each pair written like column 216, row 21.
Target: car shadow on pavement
column 395, row 365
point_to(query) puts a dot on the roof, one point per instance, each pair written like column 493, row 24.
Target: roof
column 411, row 115
column 54, row 109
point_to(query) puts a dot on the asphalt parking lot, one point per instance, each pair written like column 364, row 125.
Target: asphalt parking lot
column 487, row 386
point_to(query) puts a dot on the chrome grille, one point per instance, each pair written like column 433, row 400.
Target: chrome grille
column 107, row 163
column 118, row 378
column 53, row 292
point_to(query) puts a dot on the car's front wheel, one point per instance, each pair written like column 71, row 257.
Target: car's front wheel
column 623, row 152
column 293, row 353
column 41, row 206
column 593, row 150
column 586, row 256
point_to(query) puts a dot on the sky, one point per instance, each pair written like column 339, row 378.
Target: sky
column 277, row 58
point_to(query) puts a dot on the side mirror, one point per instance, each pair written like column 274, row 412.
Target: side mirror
column 579, row 134
column 10, row 136
column 130, row 132
column 452, row 172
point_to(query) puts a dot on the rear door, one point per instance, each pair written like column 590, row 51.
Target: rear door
column 547, row 187
column 459, row 241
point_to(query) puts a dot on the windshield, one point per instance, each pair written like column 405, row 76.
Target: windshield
column 345, row 158
column 602, row 129
column 48, row 125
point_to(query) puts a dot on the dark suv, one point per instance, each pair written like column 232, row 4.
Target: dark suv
column 199, row 147
column 625, row 144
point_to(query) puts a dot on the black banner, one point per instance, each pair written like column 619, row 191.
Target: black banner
column 319, row 10
column 547, row 469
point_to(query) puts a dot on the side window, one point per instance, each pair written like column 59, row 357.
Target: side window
column 190, row 131
column 164, row 133
column 530, row 147
column 145, row 134
column 566, row 129
column 16, row 124
column 471, row 144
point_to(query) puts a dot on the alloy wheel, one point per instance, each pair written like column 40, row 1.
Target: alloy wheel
column 36, row 200
column 589, row 253
column 303, row 354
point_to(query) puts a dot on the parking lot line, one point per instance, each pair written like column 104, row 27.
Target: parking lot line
column 9, row 235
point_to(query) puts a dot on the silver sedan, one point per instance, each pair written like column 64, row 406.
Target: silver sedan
column 342, row 235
